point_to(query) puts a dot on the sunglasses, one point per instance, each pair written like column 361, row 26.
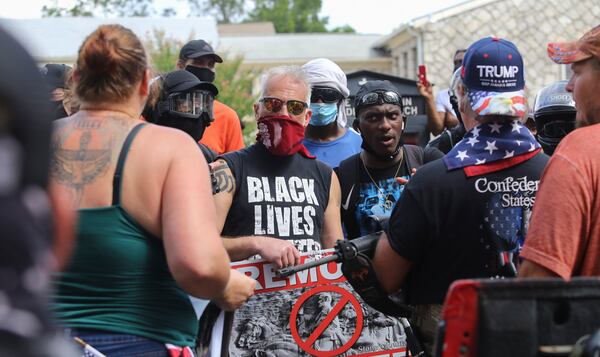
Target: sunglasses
column 379, row 98
column 326, row 95
column 274, row 105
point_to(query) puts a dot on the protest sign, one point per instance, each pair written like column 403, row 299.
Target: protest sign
column 312, row 313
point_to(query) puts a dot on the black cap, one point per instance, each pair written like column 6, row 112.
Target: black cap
column 55, row 74
column 183, row 81
column 374, row 86
column 198, row 48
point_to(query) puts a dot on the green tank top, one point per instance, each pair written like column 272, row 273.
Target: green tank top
column 118, row 279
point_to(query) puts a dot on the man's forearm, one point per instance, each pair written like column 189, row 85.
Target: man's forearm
column 240, row 248
column 435, row 123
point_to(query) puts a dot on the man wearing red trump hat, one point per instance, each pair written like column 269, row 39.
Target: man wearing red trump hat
column 564, row 234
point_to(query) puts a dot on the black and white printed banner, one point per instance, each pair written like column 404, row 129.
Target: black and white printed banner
column 311, row 313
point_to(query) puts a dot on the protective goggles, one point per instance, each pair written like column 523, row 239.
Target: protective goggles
column 326, row 95
column 274, row 105
column 191, row 104
column 375, row 98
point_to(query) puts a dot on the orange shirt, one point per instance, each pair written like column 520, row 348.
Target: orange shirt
column 225, row 133
column 564, row 232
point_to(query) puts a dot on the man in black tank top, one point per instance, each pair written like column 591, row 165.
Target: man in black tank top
column 373, row 180
column 274, row 199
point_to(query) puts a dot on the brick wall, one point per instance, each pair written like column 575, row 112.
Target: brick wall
column 529, row 24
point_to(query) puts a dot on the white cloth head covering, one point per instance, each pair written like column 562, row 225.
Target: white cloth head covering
column 325, row 73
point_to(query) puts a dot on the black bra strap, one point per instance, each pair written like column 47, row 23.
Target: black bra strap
column 118, row 178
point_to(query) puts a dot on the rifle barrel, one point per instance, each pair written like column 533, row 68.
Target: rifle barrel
column 285, row 272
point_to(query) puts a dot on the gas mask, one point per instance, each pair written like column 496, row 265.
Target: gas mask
column 190, row 111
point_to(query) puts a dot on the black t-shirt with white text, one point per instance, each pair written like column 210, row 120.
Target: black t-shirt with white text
column 452, row 227
column 278, row 196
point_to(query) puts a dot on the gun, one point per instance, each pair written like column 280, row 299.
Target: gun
column 344, row 250
column 355, row 256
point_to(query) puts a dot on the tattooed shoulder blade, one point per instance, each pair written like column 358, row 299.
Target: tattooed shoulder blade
column 76, row 166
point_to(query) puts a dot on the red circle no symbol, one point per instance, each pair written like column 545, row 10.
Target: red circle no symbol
column 307, row 345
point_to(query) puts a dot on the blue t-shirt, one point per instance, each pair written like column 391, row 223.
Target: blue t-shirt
column 333, row 152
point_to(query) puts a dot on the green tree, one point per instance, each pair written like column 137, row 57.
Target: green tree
column 233, row 80
column 344, row 29
column 290, row 16
column 104, row 8
column 235, row 89
column 163, row 51
column 225, row 11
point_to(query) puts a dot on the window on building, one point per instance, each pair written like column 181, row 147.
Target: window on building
column 405, row 64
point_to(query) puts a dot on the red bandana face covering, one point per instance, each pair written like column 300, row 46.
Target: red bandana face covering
column 281, row 135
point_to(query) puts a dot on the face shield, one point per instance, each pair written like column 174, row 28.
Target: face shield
column 191, row 104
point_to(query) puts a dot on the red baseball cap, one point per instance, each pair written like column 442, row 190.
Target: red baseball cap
column 587, row 46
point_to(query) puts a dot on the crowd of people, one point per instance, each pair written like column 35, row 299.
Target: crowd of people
column 147, row 193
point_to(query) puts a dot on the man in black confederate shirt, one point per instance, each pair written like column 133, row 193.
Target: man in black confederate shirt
column 466, row 216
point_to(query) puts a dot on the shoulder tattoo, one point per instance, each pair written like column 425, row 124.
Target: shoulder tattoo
column 221, row 178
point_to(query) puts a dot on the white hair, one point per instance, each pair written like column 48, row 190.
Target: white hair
column 294, row 72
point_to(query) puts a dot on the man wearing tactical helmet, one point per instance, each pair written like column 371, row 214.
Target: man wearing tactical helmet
column 181, row 101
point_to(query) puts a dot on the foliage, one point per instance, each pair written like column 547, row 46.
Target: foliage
column 344, row 29
column 290, row 16
column 225, row 11
column 235, row 89
column 105, row 8
column 163, row 51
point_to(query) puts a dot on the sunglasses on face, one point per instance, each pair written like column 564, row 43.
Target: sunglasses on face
column 326, row 95
column 274, row 105
column 379, row 98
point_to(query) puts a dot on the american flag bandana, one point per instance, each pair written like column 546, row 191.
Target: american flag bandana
column 491, row 142
column 496, row 103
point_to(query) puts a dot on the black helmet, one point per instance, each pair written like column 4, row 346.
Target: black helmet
column 554, row 113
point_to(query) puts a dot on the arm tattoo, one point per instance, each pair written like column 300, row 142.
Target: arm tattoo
column 220, row 179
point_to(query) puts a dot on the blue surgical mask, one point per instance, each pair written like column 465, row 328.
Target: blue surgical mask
column 323, row 113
